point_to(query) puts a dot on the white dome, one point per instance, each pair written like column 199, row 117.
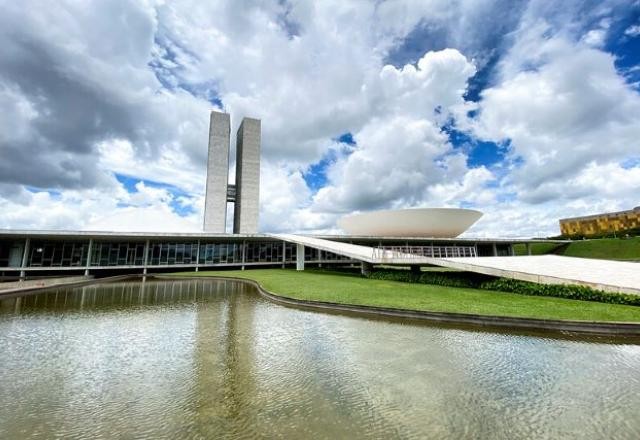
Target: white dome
column 421, row 222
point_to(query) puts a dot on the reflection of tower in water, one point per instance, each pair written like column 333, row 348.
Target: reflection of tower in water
column 220, row 346
column 223, row 338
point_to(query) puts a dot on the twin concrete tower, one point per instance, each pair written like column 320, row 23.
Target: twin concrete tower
column 245, row 194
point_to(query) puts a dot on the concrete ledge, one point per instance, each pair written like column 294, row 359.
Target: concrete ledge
column 44, row 282
column 74, row 282
column 625, row 329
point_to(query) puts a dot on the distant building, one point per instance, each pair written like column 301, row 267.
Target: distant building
column 246, row 191
column 600, row 224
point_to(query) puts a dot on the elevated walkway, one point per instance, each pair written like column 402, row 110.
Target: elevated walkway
column 607, row 275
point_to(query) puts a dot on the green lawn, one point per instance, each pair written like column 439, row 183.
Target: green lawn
column 603, row 248
column 607, row 248
column 536, row 248
column 352, row 289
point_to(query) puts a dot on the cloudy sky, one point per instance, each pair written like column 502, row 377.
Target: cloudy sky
column 526, row 110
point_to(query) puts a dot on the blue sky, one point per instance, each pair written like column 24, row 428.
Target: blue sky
column 315, row 175
column 527, row 110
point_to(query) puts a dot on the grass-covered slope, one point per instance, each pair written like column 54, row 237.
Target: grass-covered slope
column 603, row 248
column 352, row 289
column 606, row 248
column 536, row 248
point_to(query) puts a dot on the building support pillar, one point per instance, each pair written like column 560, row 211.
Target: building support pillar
column 88, row 262
column 145, row 262
column 244, row 252
column 299, row 256
column 198, row 257
column 366, row 268
column 512, row 252
column 494, row 247
column 528, row 247
column 25, row 258
column 284, row 253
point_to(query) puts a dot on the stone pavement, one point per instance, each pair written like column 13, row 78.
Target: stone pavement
column 609, row 275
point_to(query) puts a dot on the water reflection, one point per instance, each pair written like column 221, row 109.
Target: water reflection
column 121, row 294
column 203, row 359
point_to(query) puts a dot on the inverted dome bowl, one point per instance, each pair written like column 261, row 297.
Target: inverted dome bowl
column 421, row 222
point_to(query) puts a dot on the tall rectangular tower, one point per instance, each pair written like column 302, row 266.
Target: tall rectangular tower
column 245, row 219
column 215, row 207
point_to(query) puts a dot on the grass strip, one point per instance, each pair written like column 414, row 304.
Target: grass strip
column 345, row 288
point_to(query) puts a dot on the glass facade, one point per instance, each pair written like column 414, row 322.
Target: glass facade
column 117, row 253
column 105, row 253
column 166, row 254
column 434, row 251
column 264, row 252
column 11, row 252
column 220, row 253
column 57, row 253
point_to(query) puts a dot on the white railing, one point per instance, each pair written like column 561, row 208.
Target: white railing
column 418, row 252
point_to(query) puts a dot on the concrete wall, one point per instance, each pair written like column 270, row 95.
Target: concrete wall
column 215, row 208
column 42, row 282
column 247, row 205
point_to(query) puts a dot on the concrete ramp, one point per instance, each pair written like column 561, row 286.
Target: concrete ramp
column 357, row 252
column 607, row 275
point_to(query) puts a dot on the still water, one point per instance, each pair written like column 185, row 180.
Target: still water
column 212, row 359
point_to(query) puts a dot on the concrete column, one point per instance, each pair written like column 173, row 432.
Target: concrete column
column 284, row 253
column 25, row 258
column 528, row 247
column 366, row 268
column 244, row 252
column 145, row 263
column 495, row 249
column 88, row 262
column 299, row 257
column 512, row 252
column 198, row 257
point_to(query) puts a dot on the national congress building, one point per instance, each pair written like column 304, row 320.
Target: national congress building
column 421, row 232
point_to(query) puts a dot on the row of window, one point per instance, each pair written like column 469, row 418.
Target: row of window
column 50, row 254
column 74, row 253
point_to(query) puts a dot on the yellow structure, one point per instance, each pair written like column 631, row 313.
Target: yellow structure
column 607, row 223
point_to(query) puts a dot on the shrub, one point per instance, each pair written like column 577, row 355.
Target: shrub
column 448, row 279
column 485, row 282
column 568, row 291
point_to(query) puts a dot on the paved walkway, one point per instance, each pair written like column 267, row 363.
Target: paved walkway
column 608, row 275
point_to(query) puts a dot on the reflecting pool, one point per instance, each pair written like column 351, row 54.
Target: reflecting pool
column 213, row 359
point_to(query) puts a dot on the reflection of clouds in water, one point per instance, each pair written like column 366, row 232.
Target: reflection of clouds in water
column 208, row 359
column 84, row 374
